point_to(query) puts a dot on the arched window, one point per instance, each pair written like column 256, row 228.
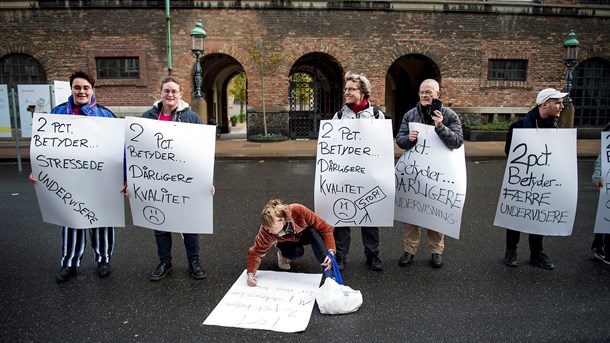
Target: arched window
column 21, row 69
column 16, row 69
column 591, row 93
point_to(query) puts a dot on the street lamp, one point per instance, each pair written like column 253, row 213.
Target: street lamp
column 198, row 36
column 570, row 58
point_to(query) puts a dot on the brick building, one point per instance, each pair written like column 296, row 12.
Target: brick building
column 491, row 57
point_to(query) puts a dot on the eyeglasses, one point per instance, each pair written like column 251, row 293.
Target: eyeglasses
column 428, row 93
column 170, row 91
column 85, row 89
column 349, row 90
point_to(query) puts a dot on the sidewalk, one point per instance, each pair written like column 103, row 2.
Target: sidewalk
column 229, row 147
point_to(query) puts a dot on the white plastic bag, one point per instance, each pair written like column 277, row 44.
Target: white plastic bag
column 334, row 298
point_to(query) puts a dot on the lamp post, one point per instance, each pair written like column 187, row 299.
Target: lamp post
column 198, row 35
column 570, row 58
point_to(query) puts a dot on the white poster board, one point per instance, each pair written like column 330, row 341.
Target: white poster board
column 5, row 113
column 281, row 302
column 539, row 192
column 431, row 184
column 170, row 168
column 78, row 162
column 354, row 184
column 61, row 92
column 602, row 220
column 38, row 96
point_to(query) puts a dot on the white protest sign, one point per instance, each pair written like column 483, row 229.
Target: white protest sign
column 33, row 96
column 539, row 191
column 170, row 168
column 431, row 184
column 280, row 302
column 602, row 220
column 78, row 162
column 61, row 92
column 5, row 113
column 354, row 184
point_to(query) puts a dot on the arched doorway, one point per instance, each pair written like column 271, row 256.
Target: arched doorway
column 591, row 93
column 315, row 93
column 218, row 70
column 402, row 84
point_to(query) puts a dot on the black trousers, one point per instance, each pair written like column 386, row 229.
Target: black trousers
column 601, row 244
column 164, row 246
column 512, row 239
column 370, row 240
column 295, row 250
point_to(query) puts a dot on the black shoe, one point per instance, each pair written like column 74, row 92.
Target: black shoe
column 436, row 261
column 163, row 270
column 542, row 261
column 374, row 263
column 196, row 271
column 340, row 263
column 65, row 274
column 510, row 258
column 405, row 259
column 103, row 269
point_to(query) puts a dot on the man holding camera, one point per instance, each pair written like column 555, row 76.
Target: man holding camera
column 448, row 127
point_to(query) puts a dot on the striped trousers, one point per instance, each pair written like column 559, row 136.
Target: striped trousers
column 73, row 245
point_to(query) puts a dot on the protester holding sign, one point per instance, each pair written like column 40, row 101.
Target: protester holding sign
column 82, row 102
column 448, row 127
column 357, row 106
column 171, row 107
column 549, row 104
column 601, row 242
column 290, row 228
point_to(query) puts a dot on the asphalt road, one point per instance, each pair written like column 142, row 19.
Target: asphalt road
column 473, row 298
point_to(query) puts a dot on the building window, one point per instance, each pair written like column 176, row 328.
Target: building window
column 117, row 68
column 591, row 93
column 507, row 70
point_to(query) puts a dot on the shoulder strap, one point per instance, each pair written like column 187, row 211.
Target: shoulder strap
column 376, row 112
column 339, row 114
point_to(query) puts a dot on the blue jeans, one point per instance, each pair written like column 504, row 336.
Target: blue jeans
column 295, row 250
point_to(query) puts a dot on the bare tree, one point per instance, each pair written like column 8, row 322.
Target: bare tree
column 267, row 59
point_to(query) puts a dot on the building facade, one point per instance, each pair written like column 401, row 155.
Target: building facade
column 490, row 57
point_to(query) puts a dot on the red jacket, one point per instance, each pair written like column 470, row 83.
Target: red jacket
column 301, row 217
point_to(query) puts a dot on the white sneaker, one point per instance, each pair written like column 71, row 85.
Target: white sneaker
column 282, row 261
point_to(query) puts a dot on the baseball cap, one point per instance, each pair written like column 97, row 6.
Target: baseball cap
column 549, row 93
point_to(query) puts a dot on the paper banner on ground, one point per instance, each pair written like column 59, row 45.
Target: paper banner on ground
column 431, row 184
column 354, row 184
column 170, row 168
column 602, row 220
column 539, row 192
column 281, row 302
column 5, row 113
column 37, row 97
column 78, row 162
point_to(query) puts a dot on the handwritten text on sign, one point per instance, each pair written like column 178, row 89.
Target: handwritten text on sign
column 78, row 162
column 170, row 167
column 431, row 184
column 539, row 190
column 281, row 302
column 354, row 183
column 602, row 220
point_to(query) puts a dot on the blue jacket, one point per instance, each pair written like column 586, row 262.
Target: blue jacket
column 182, row 113
column 92, row 109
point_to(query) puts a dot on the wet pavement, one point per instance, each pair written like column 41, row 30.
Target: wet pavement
column 474, row 297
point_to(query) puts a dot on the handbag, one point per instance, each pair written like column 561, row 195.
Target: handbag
column 333, row 297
